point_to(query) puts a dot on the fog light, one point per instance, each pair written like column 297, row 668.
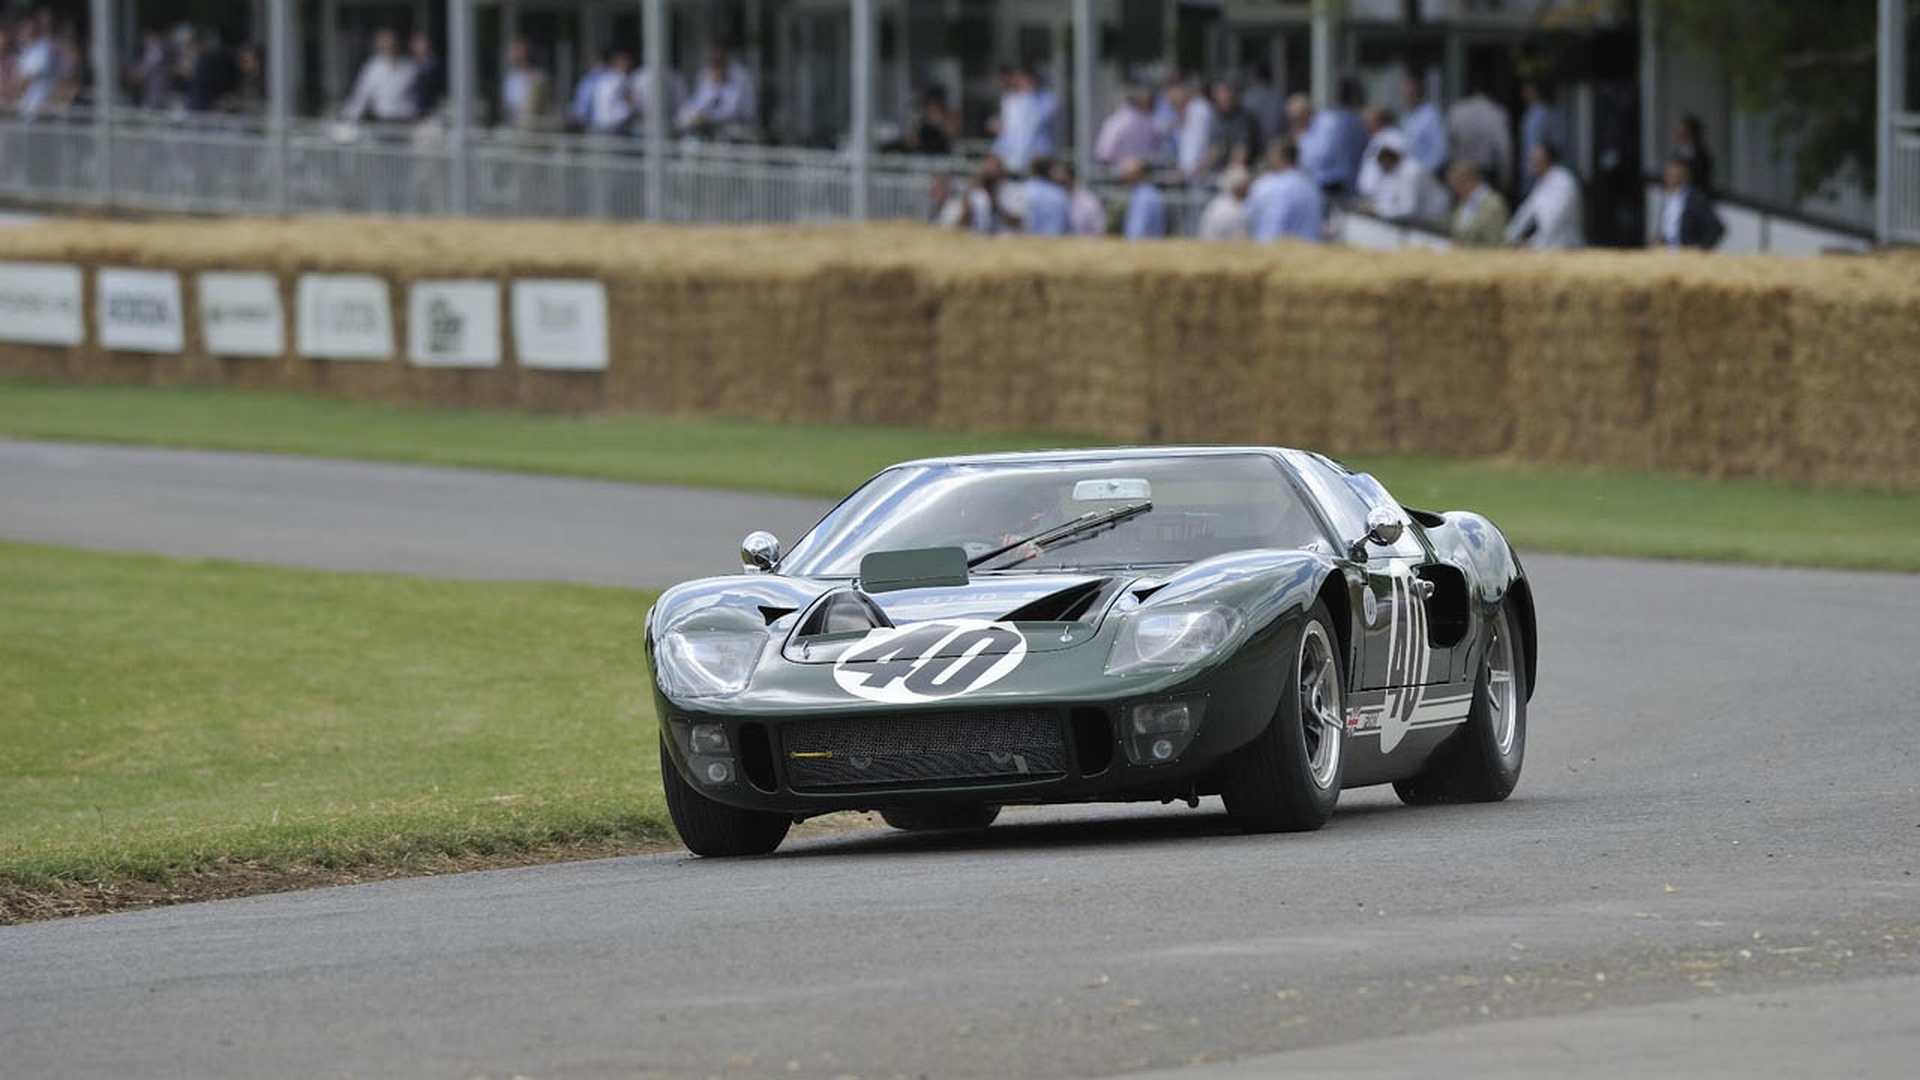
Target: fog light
column 712, row 771
column 707, row 739
column 1161, row 718
column 1158, row 731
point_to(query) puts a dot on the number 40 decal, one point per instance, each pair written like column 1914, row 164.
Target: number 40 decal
column 929, row 661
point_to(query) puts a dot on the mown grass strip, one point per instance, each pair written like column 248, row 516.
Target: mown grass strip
column 197, row 728
column 1542, row 507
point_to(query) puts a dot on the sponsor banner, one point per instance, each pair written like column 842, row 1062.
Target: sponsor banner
column 139, row 310
column 40, row 303
column 560, row 325
column 345, row 317
column 454, row 323
column 240, row 314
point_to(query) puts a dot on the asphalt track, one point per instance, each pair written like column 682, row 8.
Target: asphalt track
column 1708, row 868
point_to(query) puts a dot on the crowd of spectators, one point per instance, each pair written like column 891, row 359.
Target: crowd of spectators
column 1273, row 165
column 1282, row 167
column 42, row 66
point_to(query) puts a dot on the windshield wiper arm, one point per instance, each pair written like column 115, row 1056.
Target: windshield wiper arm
column 1084, row 523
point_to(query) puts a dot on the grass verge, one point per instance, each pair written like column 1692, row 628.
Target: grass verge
column 1541, row 507
column 185, row 730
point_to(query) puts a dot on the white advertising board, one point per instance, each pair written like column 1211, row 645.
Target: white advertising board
column 139, row 310
column 560, row 324
column 345, row 317
column 240, row 314
column 454, row 323
column 40, row 303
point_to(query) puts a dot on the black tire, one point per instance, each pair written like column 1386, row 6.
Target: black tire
column 711, row 828
column 1475, row 766
column 939, row 818
column 1270, row 785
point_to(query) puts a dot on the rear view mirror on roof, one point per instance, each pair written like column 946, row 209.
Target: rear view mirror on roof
column 1131, row 489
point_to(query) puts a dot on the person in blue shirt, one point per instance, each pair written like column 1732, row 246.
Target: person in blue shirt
column 1049, row 207
column 1285, row 201
column 1146, row 207
column 1424, row 127
column 581, row 109
column 1331, row 141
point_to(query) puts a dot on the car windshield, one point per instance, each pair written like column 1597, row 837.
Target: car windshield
column 1202, row 505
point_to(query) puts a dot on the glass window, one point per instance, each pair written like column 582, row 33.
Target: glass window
column 1348, row 496
column 1203, row 505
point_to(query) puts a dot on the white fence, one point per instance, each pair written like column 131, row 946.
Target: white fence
column 234, row 165
column 1905, row 173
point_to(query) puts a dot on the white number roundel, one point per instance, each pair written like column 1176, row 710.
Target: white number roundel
column 929, row 661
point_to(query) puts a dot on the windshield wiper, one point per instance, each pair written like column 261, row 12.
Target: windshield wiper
column 1084, row 523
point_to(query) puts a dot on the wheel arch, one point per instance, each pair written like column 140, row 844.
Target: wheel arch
column 1520, row 597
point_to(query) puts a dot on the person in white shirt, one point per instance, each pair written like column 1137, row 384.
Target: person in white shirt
column 1024, row 128
column 1225, row 217
column 722, row 97
column 609, row 106
column 1407, row 192
column 384, row 87
column 1550, row 219
column 1379, row 122
column 1194, row 131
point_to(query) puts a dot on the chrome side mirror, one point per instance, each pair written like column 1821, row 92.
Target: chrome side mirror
column 1383, row 530
column 759, row 552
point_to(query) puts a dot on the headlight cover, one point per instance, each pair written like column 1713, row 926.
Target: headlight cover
column 1173, row 637
column 706, row 663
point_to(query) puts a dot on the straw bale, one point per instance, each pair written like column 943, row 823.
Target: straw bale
column 1856, row 384
column 1799, row 369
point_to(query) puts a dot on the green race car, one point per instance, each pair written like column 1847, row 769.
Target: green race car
column 966, row 633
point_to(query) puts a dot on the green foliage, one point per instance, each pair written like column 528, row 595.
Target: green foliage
column 1814, row 62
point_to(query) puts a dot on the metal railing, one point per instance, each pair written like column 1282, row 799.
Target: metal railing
column 1904, row 212
column 232, row 165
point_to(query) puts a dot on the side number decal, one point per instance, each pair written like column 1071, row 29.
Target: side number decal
column 929, row 661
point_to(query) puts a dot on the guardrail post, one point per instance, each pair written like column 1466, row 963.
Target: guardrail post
column 459, row 97
column 105, row 78
column 1320, row 41
column 653, row 18
column 862, row 91
column 279, row 99
column 1085, row 48
column 1893, row 41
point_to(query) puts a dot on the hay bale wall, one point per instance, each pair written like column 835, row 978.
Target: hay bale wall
column 1804, row 370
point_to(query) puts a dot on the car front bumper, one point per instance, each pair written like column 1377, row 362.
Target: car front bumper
column 839, row 755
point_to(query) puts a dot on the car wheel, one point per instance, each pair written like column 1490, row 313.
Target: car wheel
column 1288, row 779
column 713, row 828
column 1482, row 762
column 937, row 818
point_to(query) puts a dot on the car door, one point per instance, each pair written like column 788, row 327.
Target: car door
column 1405, row 678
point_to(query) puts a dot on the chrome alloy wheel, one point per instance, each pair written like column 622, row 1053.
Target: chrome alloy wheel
column 1321, row 717
column 1501, row 706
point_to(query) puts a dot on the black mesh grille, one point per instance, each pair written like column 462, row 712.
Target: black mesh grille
column 923, row 748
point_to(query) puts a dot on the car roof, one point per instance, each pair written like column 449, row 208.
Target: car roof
column 1091, row 454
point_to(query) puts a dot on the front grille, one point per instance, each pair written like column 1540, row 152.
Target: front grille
column 921, row 749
